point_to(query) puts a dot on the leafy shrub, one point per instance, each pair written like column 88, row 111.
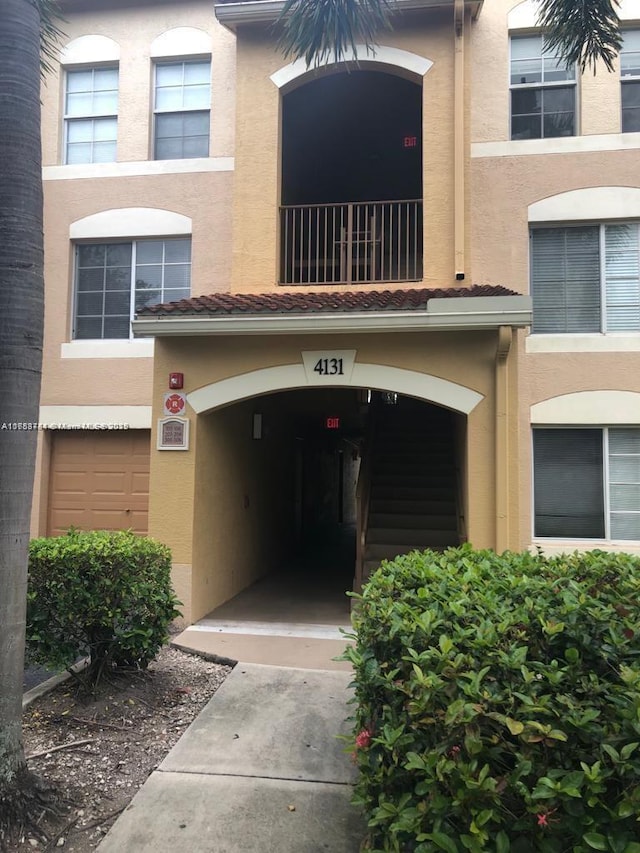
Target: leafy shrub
column 498, row 702
column 99, row 594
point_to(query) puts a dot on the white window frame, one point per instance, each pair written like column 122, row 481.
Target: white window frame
column 627, row 79
column 553, row 84
column 602, row 226
column 190, row 60
column 132, row 288
column 606, row 485
column 70, row 118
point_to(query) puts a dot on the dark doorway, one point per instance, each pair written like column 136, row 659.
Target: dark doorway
column 352, row 137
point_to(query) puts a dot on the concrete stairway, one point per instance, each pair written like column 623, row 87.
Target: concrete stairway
column 413, row 483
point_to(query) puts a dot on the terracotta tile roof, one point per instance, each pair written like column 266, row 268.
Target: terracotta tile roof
column 325, row 302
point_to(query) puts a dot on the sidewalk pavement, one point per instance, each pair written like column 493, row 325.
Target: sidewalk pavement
column 259, row 770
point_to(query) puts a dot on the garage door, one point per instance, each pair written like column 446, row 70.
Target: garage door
column 99, row 481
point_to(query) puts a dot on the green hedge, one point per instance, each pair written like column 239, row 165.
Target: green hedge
column 99, row 594
column 498, row 703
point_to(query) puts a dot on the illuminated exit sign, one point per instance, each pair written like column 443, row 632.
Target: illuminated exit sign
column 332, row 423
column 410, row 142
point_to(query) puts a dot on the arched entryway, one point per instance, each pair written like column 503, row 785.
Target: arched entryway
column 351, row 177
column 311, row 488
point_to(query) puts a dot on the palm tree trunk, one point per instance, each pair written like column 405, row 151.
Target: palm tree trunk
column 21, row 322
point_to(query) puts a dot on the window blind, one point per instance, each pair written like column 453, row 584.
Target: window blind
column 622, row 278
column 565, row 279
column 568, row 483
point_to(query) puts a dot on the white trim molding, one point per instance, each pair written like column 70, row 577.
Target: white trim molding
column 90, row 50
column 593, row 342
column 555, row 547
column 558, row 145
column 130, row 222
column 133, row 168
column 629, row 10
column 96, row 417
column 589, row 407
column 598, row 203
column 108, row 349
column 181, row 41
column 382, row 55
column 524, row 16
column 293, row 376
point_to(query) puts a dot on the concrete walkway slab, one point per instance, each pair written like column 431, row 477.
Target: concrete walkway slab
column 217, row 814
column 271, row 722
column 260, row 769
column 274, row 650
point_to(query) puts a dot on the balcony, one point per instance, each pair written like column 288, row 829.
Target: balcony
column 352, row 243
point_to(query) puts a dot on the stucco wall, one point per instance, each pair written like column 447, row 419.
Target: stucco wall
column 219, row 504
column 243, row 511
column 598, row 96
column 134, row 27
column 257, row 190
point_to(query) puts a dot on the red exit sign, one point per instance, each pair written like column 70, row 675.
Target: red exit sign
column 332, row 423
column 410, row 142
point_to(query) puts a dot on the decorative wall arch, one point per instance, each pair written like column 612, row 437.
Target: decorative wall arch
column 89, row 50
column 597, row 203
column 402, row 62
column 588, row 407
column 524, row 16
column 289, row 377
column 181, row 41
column 130, row 222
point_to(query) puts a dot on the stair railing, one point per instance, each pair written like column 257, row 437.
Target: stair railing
column 462, row 528
column 363, row 499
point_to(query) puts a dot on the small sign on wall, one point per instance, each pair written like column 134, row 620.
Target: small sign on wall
column 173, row 434
column 174, row 403
column 328, row 367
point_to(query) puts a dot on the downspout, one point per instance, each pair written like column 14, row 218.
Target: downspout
column 458, row 143
column 505, row 337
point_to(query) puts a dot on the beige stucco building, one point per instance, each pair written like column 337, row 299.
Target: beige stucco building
column 397, row 296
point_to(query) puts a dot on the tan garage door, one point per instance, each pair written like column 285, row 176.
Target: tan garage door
column 99, row 480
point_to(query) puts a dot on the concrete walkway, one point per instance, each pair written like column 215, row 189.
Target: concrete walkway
column 260, row 769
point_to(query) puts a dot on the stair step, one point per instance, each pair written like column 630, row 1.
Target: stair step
column 408, row 537
column 406, row 521
column 428, row 507
column 444, row 478
column 380, row 551
column 390, row 491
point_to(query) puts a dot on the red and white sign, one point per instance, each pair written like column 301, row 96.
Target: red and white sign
column 174, row 403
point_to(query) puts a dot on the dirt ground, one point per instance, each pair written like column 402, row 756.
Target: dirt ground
column 111, row 744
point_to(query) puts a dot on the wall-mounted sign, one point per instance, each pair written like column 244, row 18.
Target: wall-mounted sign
column 175, row 403
column 410, row 142
column 173, row 434
column 332, row 423
column 329, row 367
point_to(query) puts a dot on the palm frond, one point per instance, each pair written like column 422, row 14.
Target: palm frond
column 582, row 31
column 322, row 31
column 50, row 33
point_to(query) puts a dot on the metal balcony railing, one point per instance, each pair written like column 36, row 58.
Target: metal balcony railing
column 364, row 242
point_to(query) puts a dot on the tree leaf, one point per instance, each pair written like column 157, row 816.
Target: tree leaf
column 444, row 842
column 595, row 840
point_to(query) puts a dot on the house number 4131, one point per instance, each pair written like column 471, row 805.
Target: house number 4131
column 329, row 367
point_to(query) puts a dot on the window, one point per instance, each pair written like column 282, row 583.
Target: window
column 108, row 275
column 543, row 91
column 587, row 483
column 90, row 115
column 586, row 278
column 182, row 102
column 630, row 71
